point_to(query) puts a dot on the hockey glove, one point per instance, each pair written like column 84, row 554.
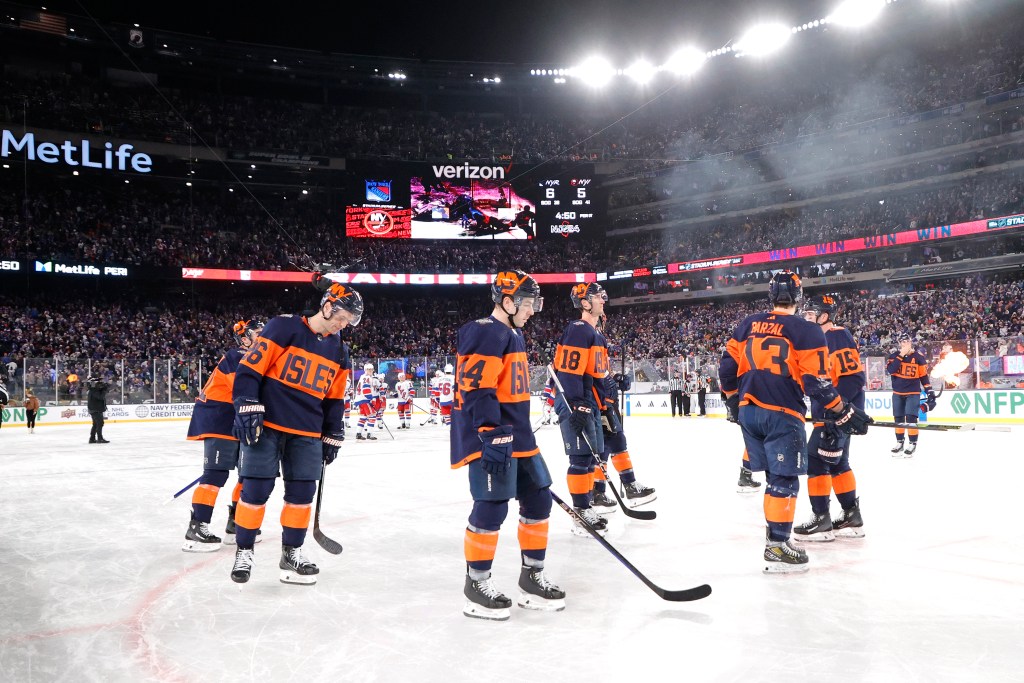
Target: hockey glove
column 850, row 420
column 831, row 445
column 732, row 408
column 331, row 445
column 496, row 454
column 611, row 422
column 625, row 382
column 580, row 417
column 248, row 420
column 931, row 401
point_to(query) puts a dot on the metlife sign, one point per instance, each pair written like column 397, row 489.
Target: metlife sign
column 79, row 153
column 79, row 269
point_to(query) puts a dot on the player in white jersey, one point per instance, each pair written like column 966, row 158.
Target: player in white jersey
column 348, row 400
column 382, row 401
column 435, row 395
column 367, row 393
column 405, row 392
column 446, row 394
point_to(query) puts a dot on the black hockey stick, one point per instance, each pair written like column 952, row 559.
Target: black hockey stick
column 686, row 595
column 387, row 428
column 626, row 510
column 924, row 426
column 328, row 544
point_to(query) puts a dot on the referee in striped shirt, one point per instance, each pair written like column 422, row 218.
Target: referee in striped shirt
column 675, row 387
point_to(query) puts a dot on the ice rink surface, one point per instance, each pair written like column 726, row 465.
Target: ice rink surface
column 96, row 588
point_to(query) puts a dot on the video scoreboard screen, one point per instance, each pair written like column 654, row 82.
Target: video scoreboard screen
column 571, row 207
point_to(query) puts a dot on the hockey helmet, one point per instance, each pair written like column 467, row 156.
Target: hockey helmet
column 448, row 369
column 401, row 377
column 246, row 329
column 583, row 291
column 785, row 288
column 438, row 373
column 823, row 303
column 368, row 367
column 518, row 285
column 344, row 298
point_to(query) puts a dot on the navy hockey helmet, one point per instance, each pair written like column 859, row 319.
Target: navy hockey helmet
column 244, row 329
column 823, row 303
column 344, row 298
column 785, row 289
column 518, row 285
column 583, row 291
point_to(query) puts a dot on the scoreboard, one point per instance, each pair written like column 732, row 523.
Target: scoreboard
column 571, row 207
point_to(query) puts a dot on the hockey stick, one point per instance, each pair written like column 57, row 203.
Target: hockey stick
column 941, row 428
column 424, row 410
column 328, row 544
column 387, row 428
column 628, row 511
column 186, row 488
column 687, row 595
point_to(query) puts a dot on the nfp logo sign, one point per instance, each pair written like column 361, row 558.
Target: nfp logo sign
column 378, row 190
column 76, row 153
column 988, row 403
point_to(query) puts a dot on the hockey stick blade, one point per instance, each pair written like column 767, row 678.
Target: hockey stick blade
column 687, row 595
column 328, row 544
column 942, row 428
column 626, row 510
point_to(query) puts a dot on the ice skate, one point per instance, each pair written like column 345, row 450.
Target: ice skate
column 360, row 437
column 908, row 452
column 295, row 568
column 819, row 529
column 897, row 451
column 747, row 483
column 199, row 539
column 602, row 504
column 849, row 524
column 484, row 601
column 598, row 523
column 370, row 436
column 538, row 592
column 637, row 494
column 781, row 557
column 242, row 568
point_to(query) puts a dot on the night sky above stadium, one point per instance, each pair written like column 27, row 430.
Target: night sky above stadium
column 521, row 31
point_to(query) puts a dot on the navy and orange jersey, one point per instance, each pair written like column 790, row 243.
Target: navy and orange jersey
column 774, row 359
column 610, row 390
column 214, row 413
column 298, row 375
column 492, row 389
column 845, row 368
column 909, row 373
column 581, row 361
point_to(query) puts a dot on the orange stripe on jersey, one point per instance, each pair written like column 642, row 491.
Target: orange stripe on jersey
column 282, row 428
column 748, row 399
column 820, row 485
column 844, row 362
column 304, row 371
column 514, row 381
column 337, row 389
column 779, row 510
column 622, row 461
column 205, row 494
column 844, row 483
column 572, row 360
column 533, row 536
column 480, row 547
column 249, row 516
column 296, row 516
column 580, row 483
column 210, row 435
column 263, row 353
column 218, row 387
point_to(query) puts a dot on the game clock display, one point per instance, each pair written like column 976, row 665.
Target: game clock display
column 570, row 208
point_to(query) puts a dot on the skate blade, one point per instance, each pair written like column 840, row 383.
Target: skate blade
column 747, row 489
column 821, row 537
column 783, row 568
column 229, row 539
column 850, row 532
column 198, row 547
column 583, row 533
column 605, row 511
column 297, row 579
column 535, row 602
column 637, row 502
column 240, row 582
column 475, row 611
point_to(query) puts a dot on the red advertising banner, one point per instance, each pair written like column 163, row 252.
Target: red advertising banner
column 375, row 278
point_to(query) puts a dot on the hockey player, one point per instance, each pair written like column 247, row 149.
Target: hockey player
column 491, row 436
column 770, row 362
column 435, row 396
column 548, row 402
column 909, row 372
column 405, row 391
column 581, row 362
column 615, row 449
column 446, row 395
column 830, row 470
column 288, row 395
column 382, row 400
column 212, row 419
column 348, row 401
column 367, row 392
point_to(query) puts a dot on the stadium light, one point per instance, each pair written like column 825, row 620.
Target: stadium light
column 595, row 72
column 641, row 71
column 856, row 13
column 763, row 40
column 686, row 61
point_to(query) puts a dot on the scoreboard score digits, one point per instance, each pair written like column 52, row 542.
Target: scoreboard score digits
column 568, row 207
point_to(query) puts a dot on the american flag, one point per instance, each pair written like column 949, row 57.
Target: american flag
column 45, row 23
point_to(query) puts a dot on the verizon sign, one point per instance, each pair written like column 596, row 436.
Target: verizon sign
column 374, row 278
column 470, row 172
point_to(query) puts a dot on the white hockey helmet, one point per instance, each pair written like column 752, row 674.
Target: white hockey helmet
column 438, row 373
column 401, row 377
column 448, row 369
column 368, row 367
